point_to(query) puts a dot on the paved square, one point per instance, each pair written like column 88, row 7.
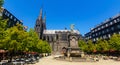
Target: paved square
column 50, row 61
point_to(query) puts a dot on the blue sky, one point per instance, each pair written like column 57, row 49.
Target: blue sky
column 85, row 14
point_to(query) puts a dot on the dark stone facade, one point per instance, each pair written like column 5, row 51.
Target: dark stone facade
column 40, row 25
column 57, row 39
column 105, row 30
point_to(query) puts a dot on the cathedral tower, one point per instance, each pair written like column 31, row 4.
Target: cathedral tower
column 44, row 22
column 40, row 25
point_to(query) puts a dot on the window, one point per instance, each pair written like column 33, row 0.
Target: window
column 5, row 13
column 63, row 37
column 11, row 17
column 118, row 20
column 93, row 39
column 118, row 26
column 90, row 36
column 98, row 28
column 112, row 28
column 8, row 14
column 9, row 23
column 102, row 27
column 51, row 38
column 15, row 19
column 96, row 34
column 95, row 30
column 106, row 25
column 111, row 23
column 99, row 33
column 109, row 35
column 107, row 30
column 115, row 21
column 103, row 31
column 96, row 38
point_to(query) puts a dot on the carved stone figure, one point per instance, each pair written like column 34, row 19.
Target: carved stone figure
column 72, row 27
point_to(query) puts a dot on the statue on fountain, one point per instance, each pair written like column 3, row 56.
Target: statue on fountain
column 72, row 26
column 73, row 48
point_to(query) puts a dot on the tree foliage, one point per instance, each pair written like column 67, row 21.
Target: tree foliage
column 33, row 40
column 1, row 2
column 36, row 44
column 82, row 44
column 91, row 47
column 87, row 47
column 102, row 45
column 17, row 39
column 3, row 33
column 44, row 47
column 115, row 42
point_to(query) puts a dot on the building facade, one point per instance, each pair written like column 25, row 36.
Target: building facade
column 12, row 20
column 105, row 30
column 57, row 39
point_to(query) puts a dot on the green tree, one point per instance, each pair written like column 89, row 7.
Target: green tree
column 1, row 2
column 91, row 47
column 44, row 47
column 3, row 33
column 2, row 26
column 36, row 44
column 15, row 38
column 115, row 42
column 82, row 45
column 102, row 45
column 33, row 40
column 39, row 46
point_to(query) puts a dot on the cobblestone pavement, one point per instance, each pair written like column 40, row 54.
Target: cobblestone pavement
column 50, row 61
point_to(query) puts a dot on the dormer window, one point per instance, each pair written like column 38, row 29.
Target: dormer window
column 98, row 28
column 106, row 25
column 11, row 17
column 102, row 27
column 8, row 14
column 111, row 23
column 118, row 20
column 115, row 21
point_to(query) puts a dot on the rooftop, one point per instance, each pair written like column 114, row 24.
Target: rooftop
column 106, row 21
column 54, row 31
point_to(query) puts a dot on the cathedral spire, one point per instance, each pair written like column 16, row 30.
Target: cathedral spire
column 40, row 16
column 44, row 20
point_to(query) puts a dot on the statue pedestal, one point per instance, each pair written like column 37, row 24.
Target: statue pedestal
column 73, row 52
column 73, row 48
